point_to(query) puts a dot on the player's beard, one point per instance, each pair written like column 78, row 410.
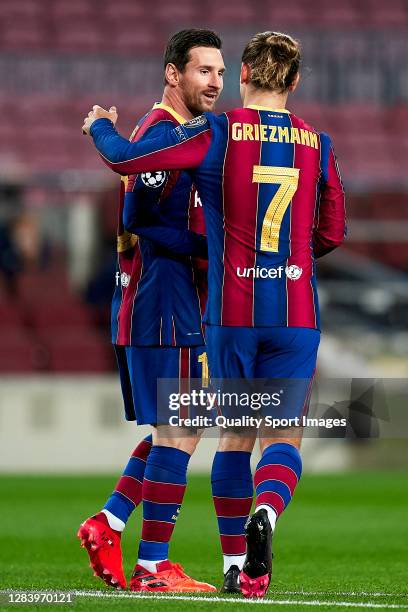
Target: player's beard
column 197, row 102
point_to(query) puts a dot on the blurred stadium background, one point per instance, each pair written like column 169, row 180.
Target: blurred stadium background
column 60, row 405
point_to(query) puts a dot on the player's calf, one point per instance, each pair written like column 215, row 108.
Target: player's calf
column 128, row 491
column 232, row 489
column 276, row 477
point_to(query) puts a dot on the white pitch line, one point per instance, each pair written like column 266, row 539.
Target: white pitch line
column 267, row 602
column 340, row 593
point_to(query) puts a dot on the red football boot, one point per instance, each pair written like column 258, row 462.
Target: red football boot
column 169, row 577
column 103, row 546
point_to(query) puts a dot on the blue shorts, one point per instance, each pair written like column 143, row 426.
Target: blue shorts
column 141, row 367
column 286, row 356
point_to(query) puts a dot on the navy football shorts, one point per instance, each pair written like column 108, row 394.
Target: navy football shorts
column 284, row 357
column 141, row 367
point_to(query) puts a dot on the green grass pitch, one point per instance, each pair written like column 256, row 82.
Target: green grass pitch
column 342, row 541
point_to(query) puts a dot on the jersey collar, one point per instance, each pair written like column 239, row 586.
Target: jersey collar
column 266, row 108
column 171, row 112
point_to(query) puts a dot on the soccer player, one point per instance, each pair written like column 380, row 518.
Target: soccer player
column 157, row 332
column 273, row 201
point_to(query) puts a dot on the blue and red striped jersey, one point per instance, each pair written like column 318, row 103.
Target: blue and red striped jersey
column 161, row 289
column 273, row 202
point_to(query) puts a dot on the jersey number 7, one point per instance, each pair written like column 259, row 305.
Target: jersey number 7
column 288, row 180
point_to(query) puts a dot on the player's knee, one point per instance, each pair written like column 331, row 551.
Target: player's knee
column 295, row 440
column 183, row 444
column 186, row 443
column 237, row 442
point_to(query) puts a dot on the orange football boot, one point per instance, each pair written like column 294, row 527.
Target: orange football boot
column 103, row 546
column 169, row 577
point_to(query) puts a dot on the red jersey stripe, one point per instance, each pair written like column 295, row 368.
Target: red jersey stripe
column 300, row 296
column 239, row 224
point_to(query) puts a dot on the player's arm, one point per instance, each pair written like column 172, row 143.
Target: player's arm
column 183, row 147
column 330, row 222
column 139, row 219
column 180, row 242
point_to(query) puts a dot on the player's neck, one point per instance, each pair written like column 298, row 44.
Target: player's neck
column 268, row 99
column 171, row 98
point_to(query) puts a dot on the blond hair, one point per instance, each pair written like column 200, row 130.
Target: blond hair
column 274, row 60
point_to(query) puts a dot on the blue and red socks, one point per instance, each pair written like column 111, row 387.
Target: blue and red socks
column 232, row 490
column 128, row 491
column 276, row 477
column 164, row 484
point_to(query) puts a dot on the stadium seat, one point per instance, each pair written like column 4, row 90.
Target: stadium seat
column 240, row 12
column 50, row 284
column 393, row 13
column 337, row 14
column 183, row 13
column 78, row 38
column 54, row 314
column 76, row 351
column 47, row 107
column 287, row 14
column 23, row 9
column 7, row 133
column 138, row 37
column 23, row 34
column 398, row 118
column 124, row 11
column 350, row 116
column 20, row 353
column 313, row 113
column 82, row 11
column 11, row 315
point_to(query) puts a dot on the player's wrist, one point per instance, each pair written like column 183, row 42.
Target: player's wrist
column 100, row 121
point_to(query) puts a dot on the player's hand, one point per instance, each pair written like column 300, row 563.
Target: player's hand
column 98, row 112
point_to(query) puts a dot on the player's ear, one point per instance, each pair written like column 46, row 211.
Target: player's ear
column 171, row 75
column 245, row 73
column 295, row 82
